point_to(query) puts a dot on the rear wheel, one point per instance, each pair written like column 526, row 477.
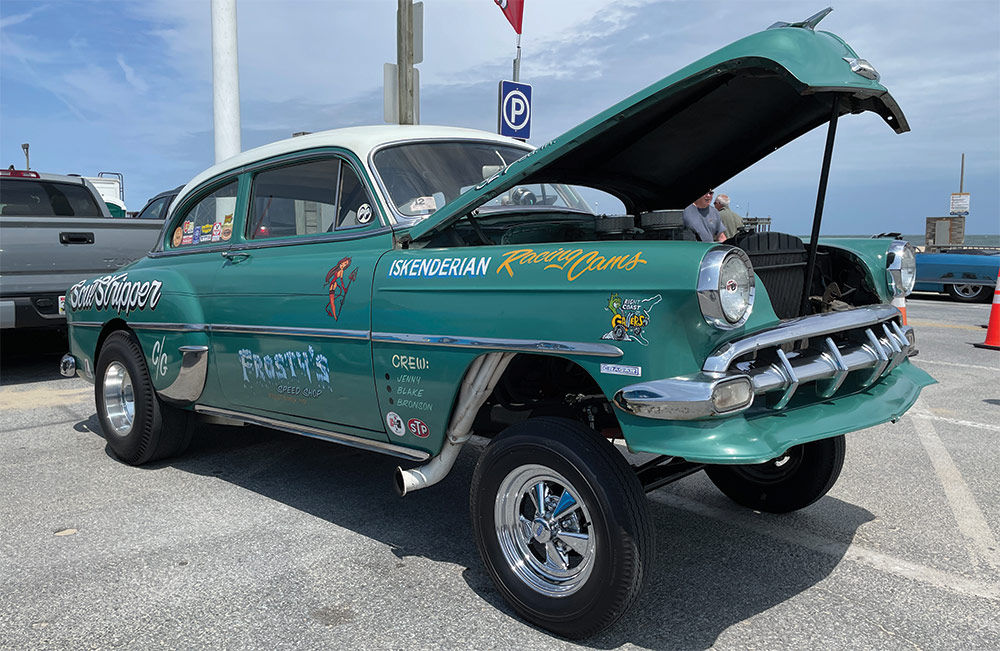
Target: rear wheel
column 138, row 426
column 562, row 525
column 969, row 293
column 793, row 481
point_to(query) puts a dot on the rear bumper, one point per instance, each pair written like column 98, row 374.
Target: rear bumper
column 41, row 311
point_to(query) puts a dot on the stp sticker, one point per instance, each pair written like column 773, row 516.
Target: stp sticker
column 417, row 428
column 395, row 423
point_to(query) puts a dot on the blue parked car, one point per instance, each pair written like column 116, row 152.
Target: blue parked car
column 966, row 275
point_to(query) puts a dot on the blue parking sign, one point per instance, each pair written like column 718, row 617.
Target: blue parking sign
column 514, row 110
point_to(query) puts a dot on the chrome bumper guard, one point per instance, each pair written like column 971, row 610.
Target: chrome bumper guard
column 875, row 344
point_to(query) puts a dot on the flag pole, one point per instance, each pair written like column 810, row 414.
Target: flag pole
column 517, row 60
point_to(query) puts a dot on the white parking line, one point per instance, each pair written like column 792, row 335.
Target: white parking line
column 971, row 522
column 920, row 361
column 821, row 545
column 955, row 421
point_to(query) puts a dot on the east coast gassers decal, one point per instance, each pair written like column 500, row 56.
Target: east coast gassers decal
column 115, row 292
column 575, row 262
column 629, row 317
column 338, row 286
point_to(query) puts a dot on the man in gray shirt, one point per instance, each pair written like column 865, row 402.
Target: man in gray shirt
column 704, row 220
column 732, row 221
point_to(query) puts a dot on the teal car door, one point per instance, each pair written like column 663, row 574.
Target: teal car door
column 292, row 312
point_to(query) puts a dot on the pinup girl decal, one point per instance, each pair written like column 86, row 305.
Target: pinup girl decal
column 338, row 288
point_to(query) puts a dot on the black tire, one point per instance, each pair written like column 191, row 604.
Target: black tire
column 153, row 430
column 792, row 481
column 969, row 293
column 610, row 523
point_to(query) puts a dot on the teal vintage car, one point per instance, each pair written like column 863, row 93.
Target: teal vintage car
column 398, row 289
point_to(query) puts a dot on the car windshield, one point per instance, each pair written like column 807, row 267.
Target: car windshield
column 422, row 177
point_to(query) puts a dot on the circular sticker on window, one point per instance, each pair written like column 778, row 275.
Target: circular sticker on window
column 178, row 236
column 364, row 214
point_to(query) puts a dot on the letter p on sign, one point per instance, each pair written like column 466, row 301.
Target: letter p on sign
column 514, row 110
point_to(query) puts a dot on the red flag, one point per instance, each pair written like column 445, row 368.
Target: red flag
column 514, row 10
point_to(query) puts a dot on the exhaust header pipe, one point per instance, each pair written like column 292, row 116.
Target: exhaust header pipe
column 476, row 387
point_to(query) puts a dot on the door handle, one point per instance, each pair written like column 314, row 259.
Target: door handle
column 76, row 238
column 235, row 256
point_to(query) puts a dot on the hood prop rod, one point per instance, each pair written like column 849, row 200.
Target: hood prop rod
column 824, row 176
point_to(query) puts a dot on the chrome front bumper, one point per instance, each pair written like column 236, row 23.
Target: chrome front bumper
column 871, row 343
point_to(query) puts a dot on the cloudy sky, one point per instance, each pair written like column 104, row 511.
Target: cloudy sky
column 127, row 86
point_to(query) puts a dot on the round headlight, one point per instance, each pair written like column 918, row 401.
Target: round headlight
column 901, row 267
column 726, row 287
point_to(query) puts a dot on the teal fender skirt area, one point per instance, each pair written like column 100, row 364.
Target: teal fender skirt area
column 741, row 439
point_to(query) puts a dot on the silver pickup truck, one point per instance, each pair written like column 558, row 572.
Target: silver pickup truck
column 54, row 231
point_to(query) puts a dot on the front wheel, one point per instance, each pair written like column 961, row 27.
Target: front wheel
column 969, row 293
column 793, row 481
column 562, row 525
column 137, row 426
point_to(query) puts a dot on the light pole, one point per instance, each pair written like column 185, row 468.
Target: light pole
column 27, row 161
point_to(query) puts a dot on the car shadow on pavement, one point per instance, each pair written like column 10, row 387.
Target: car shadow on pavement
column 708, row 574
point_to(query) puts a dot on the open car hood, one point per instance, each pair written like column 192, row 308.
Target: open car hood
column 666, row 145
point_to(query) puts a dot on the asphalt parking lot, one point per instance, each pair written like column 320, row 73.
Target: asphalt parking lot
column 262, row 540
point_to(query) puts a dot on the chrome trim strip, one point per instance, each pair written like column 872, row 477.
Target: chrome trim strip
column 814, row 325
column 297, row 332
column 87, row 324
column 168, row 327
column 953, row 280
column 315, row 432
column 493, row 343
column 190, row 380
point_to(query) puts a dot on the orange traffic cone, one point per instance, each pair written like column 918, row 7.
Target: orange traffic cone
column 993, row 329
column 900, row 304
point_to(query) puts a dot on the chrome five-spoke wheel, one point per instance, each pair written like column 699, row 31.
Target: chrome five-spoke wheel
column 562, row 524
column 544, row 530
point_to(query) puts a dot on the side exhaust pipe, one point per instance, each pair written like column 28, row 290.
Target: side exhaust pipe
column 479, row 382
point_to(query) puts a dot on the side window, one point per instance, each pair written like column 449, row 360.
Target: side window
column 155, row 210
column 355, row 209
column 297, row 199
column 208, row 221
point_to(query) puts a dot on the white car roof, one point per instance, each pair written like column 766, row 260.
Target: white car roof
column 360, row 140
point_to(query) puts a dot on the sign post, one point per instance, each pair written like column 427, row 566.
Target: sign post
column 514, row 110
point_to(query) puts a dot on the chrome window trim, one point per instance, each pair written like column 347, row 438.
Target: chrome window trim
column 317, row 238
column 398, row 217
column 492, row 343
column 317, row 433
column 708, row 287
